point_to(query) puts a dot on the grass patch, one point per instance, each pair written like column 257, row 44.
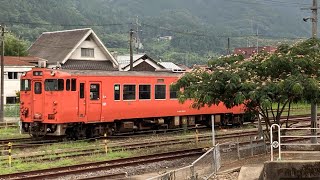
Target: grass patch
column 20, row 166
column 296, row 109
column 11, row 132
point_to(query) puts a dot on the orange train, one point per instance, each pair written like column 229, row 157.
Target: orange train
column 88, row 103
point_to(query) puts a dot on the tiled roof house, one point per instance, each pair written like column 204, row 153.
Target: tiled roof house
column 14, row 67
column 73, row 49
column 142, row 62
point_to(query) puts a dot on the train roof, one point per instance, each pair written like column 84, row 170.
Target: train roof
column 121, row 73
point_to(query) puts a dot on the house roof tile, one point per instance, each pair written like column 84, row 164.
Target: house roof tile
column 88, row 65
column 18, row 61
column 55, row 46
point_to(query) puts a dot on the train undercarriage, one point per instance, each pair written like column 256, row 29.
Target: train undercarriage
column 89, row 130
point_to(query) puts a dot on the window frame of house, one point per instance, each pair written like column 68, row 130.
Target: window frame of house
column 13, row 75
column 12, row 100
column 87, row 52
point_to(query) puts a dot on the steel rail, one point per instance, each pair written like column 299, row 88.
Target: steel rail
column 102, row 165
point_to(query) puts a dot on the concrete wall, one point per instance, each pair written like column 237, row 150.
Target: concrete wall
column 11, row 86
column 291, row 170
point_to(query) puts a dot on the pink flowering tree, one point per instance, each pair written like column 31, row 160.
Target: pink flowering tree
column 266, row 83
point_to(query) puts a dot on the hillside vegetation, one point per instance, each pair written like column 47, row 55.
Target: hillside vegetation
column 199, row 28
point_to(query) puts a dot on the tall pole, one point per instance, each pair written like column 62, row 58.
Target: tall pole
column 131, row 53
column 257, row 40
column 229, row 46
column 213, row 133
column 2, row 75
column 137, row 36
column 314, row 19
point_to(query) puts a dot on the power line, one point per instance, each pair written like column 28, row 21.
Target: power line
column 66, row 25
column 192, row 33
column 269, row 2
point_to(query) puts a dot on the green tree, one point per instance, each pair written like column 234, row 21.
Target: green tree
column 14, row 46
column 265, row 83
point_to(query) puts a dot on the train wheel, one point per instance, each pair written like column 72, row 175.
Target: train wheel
column 89, row 132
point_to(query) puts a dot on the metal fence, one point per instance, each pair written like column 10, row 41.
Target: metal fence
column 248, row 147
column 295, row 145
column 202, row 168
column 11, row 110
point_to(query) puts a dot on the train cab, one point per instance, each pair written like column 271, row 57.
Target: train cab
column 42, row 92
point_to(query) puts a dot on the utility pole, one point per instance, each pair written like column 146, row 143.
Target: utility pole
column 314, row 118
column 257, row 40
column 131, row 53
column 314, row 32
column 228, row 47
column 137, row 36
column 2, row 75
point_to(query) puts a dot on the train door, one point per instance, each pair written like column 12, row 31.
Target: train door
column 94, row 105
column 82, row 101
column 38, row 100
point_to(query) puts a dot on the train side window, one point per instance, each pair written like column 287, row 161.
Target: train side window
column 117, row 92
column 94, row 91
column 73, row 84
column 173, row 92
column 129, row 92
column 160, row 92
column 37, row 88
column 81, row 90
column 144, row 91
column 68, row 84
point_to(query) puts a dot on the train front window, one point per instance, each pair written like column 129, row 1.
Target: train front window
column 37, row 88
column 68, row 84
column 54, row 84
column 25, row 85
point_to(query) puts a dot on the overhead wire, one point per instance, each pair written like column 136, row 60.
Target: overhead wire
column 190, row 33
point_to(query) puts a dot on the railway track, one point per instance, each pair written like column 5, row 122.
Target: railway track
column 296, row 118
column 7, row 125
column 30, row 143
column 61, row 172
column 135, row 145
column 125, row 146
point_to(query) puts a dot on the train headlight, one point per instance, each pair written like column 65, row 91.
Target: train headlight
column 52, row 73
column 23, row 74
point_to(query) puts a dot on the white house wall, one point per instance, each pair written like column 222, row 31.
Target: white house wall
column 98, row 53
column 11, row 86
